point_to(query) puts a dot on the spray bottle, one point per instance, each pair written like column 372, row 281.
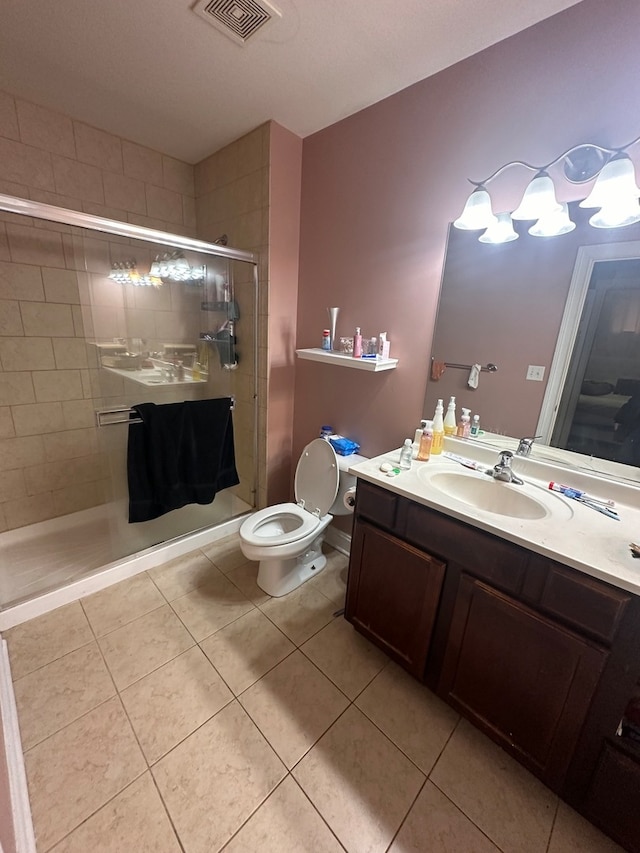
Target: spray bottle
column 438, row 430
column 450, row 418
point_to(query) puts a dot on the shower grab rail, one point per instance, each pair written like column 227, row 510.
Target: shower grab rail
column 126, row 415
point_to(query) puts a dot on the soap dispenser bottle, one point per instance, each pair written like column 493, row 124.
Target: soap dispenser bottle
column 464, row 426
column 450, row 418
column 426, row 440
column 418, row 435
column 438, row 430
column 475, row 427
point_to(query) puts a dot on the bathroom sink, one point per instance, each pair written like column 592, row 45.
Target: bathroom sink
column 493, row 496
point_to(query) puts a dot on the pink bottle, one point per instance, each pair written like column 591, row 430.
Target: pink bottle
column 357, row 343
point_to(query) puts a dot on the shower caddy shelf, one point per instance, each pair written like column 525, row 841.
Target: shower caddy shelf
column 373, row 365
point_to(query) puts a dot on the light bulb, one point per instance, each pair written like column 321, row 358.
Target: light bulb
column 501, row 231
column 554, row 224
column 477, row 213
column 539, row 199
column 617, row 215
column 616, row 183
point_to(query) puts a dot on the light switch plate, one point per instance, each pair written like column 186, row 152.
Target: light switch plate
column 535, row 372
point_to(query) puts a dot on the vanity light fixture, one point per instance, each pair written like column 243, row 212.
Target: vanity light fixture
column 175, row 267
column 126, row 272
column 615, row 194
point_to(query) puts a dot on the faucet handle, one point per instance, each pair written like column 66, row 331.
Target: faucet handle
column 505, row 457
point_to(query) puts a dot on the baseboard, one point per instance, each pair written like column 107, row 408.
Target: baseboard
column 338, row 539
column 20, row 808
column 114, row 572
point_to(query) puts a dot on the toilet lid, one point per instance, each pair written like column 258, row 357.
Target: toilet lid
column 317, row 476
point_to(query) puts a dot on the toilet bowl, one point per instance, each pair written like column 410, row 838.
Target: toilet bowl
column 286, row 539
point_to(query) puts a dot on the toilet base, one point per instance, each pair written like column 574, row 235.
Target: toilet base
column 278, row 577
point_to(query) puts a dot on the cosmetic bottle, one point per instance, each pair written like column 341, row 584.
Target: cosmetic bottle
column 438, row 430
column 450, row 418
column 326, row 339
column 464, row 424
column 406, row 454
column 426, row 440
column 475, row 427
column 383, row 345
column 357, row 343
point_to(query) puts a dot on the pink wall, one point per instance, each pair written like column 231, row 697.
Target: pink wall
column 285, row 162
column 379, row 188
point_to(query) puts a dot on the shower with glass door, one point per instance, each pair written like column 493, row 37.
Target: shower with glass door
column 97, row 316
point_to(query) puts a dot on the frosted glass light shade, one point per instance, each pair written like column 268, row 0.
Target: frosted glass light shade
column 554, row 224
column 477, row 212
column 539, row 199
column 617, row 215
column 616, row 182
column 501, row 231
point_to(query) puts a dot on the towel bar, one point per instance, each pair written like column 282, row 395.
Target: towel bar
column 488, row 368
column 125, row 415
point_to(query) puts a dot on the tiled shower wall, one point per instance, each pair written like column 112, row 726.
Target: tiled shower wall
column 232, row 198
column 49, row 459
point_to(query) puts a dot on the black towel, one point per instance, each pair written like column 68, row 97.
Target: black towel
column 181, row 453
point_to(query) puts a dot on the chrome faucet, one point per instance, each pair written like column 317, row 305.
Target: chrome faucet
column 503, row 470
column 525, row 444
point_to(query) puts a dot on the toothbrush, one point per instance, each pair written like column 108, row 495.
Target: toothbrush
column 605, row 510
column 578, row 493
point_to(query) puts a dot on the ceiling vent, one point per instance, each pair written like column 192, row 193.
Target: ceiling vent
column 240, row 20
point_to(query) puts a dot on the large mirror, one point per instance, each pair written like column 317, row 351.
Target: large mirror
column 561, row 309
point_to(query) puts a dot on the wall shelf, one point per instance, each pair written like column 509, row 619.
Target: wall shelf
column 373, row 365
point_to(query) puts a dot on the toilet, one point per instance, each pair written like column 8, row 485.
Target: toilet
column 286, row 538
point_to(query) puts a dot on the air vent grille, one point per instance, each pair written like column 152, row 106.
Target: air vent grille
column 238, row 19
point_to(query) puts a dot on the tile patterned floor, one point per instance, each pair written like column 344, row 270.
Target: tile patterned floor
column 185, row 710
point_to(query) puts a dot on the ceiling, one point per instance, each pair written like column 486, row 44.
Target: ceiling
column 155, row 72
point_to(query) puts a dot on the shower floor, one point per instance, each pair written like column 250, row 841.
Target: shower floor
column 50, row 554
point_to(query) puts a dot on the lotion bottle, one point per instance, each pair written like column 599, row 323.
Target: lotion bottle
column 450, row 418
column 475, row 427
column 357, row 343
column 426, row 440
column 438, row 430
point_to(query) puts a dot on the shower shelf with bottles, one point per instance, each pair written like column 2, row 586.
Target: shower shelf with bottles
column 373, row 365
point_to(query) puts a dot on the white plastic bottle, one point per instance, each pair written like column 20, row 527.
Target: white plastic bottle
column 438, row 430
column 450, row 424
column 406, row 454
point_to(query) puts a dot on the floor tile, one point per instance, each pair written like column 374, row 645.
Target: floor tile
column 573, row 834
column 434, row 817
column 301, row 613
column 225, row 553
column 293, row 705
column 409, row 714
column 182, row 575
column 135, row 820
column 332, row 580
column 216, row 778
column 502, row 798
column 170, row 703
column 60, row 692
column 345, row 656
column 244, row 577
column 361, row 784
column 244, row 650
column 285, row 823
column 121, row 603
column 144, row 644
column 77, row 770
column 211, row 607
column 46, row 638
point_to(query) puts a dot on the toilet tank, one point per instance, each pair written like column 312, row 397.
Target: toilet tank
column 346, row 481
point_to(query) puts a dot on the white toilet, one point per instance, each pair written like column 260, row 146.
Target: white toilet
column 287, row 538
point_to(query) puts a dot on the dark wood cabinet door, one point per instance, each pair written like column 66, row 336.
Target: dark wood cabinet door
column 392, row 595
column 523, row 679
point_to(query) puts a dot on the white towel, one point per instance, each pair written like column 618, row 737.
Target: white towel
column 474, row 375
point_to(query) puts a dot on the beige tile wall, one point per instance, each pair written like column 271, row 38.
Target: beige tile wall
column 50, row 461
column 232, row 197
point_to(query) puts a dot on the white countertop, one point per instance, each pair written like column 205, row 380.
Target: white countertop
column 582, row 538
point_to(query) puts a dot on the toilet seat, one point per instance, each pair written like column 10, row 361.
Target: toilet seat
column 316, row 486
column 278, row 525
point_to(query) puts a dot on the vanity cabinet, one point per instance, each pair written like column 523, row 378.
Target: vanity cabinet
column 541, row 657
